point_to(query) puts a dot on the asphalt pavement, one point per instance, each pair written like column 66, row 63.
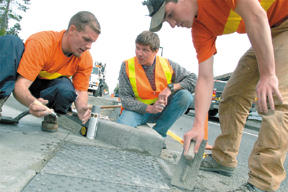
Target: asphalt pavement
column 121, row 158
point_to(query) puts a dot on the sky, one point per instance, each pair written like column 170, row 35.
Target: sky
column 121, row 21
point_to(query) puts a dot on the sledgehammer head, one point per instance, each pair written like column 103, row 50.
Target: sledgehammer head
column 190, row 154
column 188, row 167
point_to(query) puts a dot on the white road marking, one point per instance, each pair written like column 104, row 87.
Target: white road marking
column 250, row 134
column 255, row 135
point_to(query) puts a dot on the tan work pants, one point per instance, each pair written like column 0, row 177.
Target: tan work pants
column 269, row 152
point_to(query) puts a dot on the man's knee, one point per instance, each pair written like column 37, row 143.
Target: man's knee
column 66, row 90
column 67, row 94
column 184, row 98
column 130, row 118
column 63, row 100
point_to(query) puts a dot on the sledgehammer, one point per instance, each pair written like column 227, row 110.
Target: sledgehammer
column 15, row 120
column 188, row 167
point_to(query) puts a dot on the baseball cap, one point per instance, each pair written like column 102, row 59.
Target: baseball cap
column 157, row 12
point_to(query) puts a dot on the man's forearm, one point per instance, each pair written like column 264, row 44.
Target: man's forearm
column 262, row 43
column 255, row 21
column 21, row 91
column 24, row 97
column 203, row 98
column 81, row 100
column 203, row 92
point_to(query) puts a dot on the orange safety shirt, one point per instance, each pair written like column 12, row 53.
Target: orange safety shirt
column 43, row 57
column 215, row 18
column 140, row 83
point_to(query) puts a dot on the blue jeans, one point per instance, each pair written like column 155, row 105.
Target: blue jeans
column 178, row 103
column 59, row 92
column 11, row 49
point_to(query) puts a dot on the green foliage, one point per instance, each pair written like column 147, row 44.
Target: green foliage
column 10, row 12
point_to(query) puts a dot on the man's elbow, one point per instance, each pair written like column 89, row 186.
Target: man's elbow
column 16, row 89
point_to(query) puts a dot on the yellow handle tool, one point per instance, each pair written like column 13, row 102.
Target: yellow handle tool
column 175, row 137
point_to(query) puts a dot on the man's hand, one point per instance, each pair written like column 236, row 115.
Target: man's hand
column 196, row 134
column 157, row 107
column 163, row 95
column 266, row 87
column 38, row 108
column 81, row 104
column 84, row 114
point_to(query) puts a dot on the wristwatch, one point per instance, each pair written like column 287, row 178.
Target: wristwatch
column 171, row 87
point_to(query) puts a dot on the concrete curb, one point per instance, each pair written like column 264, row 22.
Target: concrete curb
column 142, row 139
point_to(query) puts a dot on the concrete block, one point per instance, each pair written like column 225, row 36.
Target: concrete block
column 186, row 171
column 141, row 139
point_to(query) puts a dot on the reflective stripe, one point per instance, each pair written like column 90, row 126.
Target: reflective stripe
column 234, row 19
column 266, row 4
column 147, row 101
column 165, row 67
column 47, row 75
column 232, row 23
column 132, row 77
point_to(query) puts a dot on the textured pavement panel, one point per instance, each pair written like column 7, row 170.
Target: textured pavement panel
column 129, row 171
column 59, row 183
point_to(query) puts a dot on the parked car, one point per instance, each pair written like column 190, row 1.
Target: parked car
column 216, row 96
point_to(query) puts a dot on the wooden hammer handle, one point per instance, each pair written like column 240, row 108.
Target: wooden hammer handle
column 110, row 106
column 106, row 106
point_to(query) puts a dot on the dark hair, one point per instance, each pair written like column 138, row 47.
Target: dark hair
column 148, row 38
column 84, row 18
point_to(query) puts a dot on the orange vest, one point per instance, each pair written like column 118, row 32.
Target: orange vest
column 140, row 84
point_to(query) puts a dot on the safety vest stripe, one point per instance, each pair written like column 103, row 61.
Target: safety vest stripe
column 232, row 23
column 165, row 67
column 147, row 101
column 132, row 77
column 266, row 4
column 47, row 75
column 234, row 19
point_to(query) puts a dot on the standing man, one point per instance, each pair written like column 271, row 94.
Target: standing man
column 261, row 72
column 49, row 61
column 153, row 89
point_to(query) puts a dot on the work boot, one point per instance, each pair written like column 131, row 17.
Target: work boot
column 2, row 101
column 210, row 164
column 49, row 123
column 247, row 187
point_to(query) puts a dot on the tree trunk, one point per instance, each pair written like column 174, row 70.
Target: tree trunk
column 4, row 18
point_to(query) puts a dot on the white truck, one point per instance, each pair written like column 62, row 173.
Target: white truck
column 97, row 84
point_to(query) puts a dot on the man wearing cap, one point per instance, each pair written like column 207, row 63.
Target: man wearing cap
column 153, row 89
column 261, row 72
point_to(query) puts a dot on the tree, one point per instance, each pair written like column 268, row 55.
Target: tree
column 10, row 12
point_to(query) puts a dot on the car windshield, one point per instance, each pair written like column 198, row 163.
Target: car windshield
column 95, row 70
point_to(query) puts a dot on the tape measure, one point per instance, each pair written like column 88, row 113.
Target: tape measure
column 83, row 131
